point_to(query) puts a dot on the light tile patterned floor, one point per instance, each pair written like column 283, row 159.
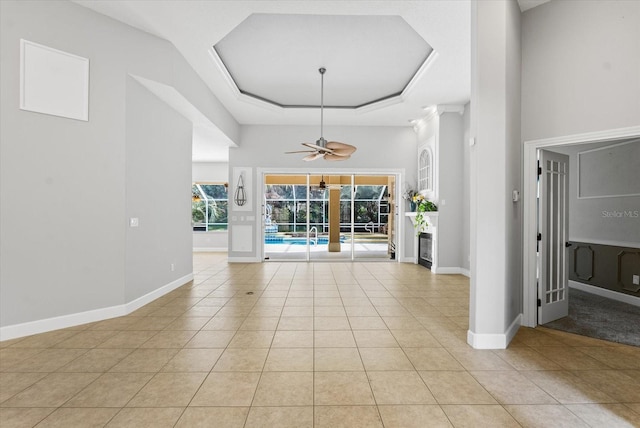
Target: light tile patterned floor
column 312, row 345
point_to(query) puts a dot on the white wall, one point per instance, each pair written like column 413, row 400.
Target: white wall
column 64, row 219
column 216, row 240
column 379, row 148
column 580, row 67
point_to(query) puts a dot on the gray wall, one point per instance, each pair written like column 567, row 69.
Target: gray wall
column 513, row 154
column 580, row 67
column 156, row 136
column 64, row 218
column 450, row 189
column 494, row 168
column 465, row 248
column 595, row 219
column 264, row 147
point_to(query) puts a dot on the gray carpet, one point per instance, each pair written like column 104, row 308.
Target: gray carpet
column 599, row 317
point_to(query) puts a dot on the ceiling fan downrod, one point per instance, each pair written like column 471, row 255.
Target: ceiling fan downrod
column 322, row 142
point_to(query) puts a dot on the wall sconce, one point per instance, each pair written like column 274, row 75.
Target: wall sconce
column 240, row 197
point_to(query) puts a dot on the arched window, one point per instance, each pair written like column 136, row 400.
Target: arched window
column 425, row 170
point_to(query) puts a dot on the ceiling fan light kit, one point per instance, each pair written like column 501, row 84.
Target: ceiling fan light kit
column 329, row 150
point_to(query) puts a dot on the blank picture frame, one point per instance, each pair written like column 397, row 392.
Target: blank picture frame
column 53, row 82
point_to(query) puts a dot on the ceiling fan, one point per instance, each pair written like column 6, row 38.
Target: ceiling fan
column 329, row 150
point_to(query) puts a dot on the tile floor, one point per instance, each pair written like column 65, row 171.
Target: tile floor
column 314, row 345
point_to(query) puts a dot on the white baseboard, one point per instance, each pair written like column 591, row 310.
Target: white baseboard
column 72, row 320
column 158, row 292
column 451, row 271
column 408, row 260
column 494, row 341
column 243, row 259
column 603, row 292
column 210, row 249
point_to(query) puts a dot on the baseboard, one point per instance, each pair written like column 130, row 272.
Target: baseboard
column 494, row 341
column 243, row 260
column 210, row 249
column 603, row 292
column 72, row 320
column 408, row 260
column 158, row 292
column 451, row 271
column 59, row 322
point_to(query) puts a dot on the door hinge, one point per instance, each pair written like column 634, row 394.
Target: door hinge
column 539, row 169
column 539, row 302
column 539, row 237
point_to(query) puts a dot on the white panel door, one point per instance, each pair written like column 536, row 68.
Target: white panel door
column 553, row 222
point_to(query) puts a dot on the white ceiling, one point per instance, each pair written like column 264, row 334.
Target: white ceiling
column 194, row 27
column 276, row 57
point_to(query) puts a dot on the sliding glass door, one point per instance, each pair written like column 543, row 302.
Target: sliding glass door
column 328, row 217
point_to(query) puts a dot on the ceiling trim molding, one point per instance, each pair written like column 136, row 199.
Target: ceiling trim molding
column 250, row 99
column 449, row 108
column 418, row 74
column 387, row 102
column 362, row 109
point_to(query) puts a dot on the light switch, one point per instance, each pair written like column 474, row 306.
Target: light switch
column 636, row 279
column 133, row 222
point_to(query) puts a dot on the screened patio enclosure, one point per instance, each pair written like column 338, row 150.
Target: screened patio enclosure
column 349, row 217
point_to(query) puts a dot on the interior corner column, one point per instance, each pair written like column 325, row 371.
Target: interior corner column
column 495, row 292
column 334, row 220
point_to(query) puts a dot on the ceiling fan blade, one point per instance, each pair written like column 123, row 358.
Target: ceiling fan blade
column 313, row 156
column 342, row 152
column 341, row 147
column 302, row 151
column 313, row 146
column 318, row 148
column 332, row 157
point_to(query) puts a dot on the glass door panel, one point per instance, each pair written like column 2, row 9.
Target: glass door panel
column 351, row 218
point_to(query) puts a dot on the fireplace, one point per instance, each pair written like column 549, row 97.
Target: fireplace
column 425, row 250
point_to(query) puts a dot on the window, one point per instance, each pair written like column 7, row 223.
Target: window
column 286, row 207
column 425, row 170
column 209, row 206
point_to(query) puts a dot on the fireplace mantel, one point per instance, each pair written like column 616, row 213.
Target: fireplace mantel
column 432, row 227
column 432, row 215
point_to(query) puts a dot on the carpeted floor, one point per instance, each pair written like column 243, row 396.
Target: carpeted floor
column 599, row 317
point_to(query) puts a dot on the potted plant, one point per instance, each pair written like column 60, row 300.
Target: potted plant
column 411, row 196
column 423, row 206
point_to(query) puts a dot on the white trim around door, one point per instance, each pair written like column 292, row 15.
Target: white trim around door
column 529, row 262
column 262, row 172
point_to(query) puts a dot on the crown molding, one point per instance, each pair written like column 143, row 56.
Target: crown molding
column 418, row 75
column 450, row 108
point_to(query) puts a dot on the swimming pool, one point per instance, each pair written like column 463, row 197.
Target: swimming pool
column 296, row 241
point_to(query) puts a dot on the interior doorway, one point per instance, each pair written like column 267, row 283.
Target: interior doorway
column 333, row 216
column 530, row 208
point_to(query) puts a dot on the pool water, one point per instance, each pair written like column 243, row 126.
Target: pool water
column 295, row 241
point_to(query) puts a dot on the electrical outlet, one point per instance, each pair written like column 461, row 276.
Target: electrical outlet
column 134, row 222
column 173, row 267
column 636, row 279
